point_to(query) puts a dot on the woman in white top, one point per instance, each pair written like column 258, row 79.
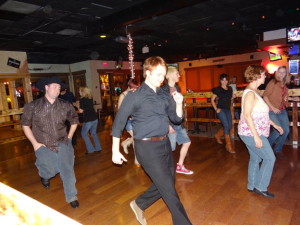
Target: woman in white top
column 254, row 129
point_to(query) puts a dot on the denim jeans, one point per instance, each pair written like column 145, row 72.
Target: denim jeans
column 50, row 163
column 282, row 120
column 180, row 136
column 259, row 176
column 225, row 116
column 92, row 127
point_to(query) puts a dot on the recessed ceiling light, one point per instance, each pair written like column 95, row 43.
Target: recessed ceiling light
column 103, row 36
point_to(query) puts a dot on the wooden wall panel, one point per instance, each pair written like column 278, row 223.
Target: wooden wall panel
column 192, row 80
column 205, row 78
column 201, row 79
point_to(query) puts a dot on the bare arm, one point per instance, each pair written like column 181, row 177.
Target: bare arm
column 213, row 102
column 248, row 105
column 121, row 98
column 279, row 128
column 178, row 98
column 72, row 130
column 28, row 133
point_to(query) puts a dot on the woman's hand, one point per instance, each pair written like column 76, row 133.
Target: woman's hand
column 218, row 110
column 279, row 128
column 258, row 142
column 275, row 110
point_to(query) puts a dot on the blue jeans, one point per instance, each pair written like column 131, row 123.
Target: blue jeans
column 259, row 176
column 50, row 163
column 92, row 127
column 225, row 116
column 282, row 120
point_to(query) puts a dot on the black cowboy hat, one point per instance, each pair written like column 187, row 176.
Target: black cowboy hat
column 49, row 80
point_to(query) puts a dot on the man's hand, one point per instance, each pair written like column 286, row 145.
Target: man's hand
column 178, row 97
column 118, row 158
column 171, row 130
column 37, row 146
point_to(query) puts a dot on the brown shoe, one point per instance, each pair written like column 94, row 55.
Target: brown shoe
column 218, row 135
column 228, row 144
column 139, row 214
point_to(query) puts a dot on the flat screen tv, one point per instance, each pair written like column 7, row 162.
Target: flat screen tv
column 293, row 34
column 294, row 66
column 274, row 56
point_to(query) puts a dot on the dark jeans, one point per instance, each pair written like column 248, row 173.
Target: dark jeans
column 157, row 160
column 225, row 116
column 50, row 163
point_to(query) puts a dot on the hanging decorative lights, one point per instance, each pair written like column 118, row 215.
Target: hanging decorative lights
column 130, row 55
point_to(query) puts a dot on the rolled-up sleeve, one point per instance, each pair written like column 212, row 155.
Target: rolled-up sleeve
column 72, row 115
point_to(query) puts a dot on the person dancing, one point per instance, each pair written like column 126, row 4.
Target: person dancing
column 177, row 133
column 276, row 96
column 254, row 129
column 151, row 109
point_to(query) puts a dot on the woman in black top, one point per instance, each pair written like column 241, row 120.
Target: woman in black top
column 90, row 120
column 224, row 95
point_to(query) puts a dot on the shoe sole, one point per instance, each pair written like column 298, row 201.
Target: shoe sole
column 184, row 173
column 136, row 216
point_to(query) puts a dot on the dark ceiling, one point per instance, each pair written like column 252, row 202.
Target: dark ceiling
column 67, row 31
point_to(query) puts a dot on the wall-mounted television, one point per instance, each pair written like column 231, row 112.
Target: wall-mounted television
column 274, row 56
column 293, row 34
column 294, row 66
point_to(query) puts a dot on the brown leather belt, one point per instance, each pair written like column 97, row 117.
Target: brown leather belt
column 154, row 138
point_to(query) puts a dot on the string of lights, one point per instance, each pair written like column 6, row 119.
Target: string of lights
column 130, row 55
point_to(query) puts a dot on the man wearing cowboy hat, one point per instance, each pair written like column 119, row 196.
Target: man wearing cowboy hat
column 43, row 122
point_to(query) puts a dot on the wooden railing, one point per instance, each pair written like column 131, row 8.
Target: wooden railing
column 198, row 100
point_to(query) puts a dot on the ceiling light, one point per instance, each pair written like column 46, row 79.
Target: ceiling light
column 69, row 32
column 263, row 17
column 102, row 36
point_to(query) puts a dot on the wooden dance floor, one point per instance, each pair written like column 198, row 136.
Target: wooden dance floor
column 216, row 194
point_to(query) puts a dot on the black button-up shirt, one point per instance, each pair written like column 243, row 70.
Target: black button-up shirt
column 48, row 120
column 150, row 112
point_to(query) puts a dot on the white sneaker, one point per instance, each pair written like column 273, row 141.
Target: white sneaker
column 139, row 214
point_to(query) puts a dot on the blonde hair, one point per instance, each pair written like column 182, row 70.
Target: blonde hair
column 171, row 70
column 85, row 92
column 287, row 79
column 152, row 62
column 253, row 72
